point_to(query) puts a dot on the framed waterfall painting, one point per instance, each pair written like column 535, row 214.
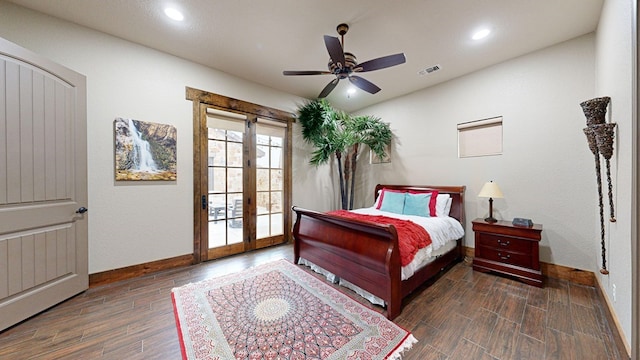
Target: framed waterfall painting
column 144, row 150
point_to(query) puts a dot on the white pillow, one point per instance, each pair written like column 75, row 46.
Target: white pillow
column 441, row 204
column 376, row 203
column 447, row 210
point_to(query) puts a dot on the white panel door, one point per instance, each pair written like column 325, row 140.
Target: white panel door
column 43, row 184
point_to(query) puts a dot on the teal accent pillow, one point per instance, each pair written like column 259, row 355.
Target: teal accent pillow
column 417, row 204
column 393, row 202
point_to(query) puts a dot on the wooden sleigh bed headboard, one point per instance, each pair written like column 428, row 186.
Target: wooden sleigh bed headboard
column 456, row 193
column 367, row 254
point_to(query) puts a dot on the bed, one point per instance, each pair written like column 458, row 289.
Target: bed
column 367, row 254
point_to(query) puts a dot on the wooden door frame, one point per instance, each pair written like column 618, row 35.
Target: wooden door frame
column 201, row 101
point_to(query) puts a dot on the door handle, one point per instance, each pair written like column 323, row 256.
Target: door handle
column 82, row 210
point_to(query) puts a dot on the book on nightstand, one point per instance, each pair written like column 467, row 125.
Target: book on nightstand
column 522, row 222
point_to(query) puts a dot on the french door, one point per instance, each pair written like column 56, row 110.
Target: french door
column 242, row 176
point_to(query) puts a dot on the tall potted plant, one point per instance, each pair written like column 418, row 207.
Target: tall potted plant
column 337, row 133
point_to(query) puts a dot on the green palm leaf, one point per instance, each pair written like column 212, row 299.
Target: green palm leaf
column 335, row 132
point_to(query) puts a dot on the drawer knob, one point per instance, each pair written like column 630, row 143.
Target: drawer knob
column 503, row 243
column 504, row 257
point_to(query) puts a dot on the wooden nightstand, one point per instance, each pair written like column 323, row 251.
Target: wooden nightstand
column 508, row 249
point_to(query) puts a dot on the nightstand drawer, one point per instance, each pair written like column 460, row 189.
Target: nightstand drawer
column 505, row 243
column 506, row 257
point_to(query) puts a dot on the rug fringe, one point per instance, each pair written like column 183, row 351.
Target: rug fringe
column 405, row 345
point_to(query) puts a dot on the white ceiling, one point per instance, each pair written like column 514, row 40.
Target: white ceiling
column 257, row 40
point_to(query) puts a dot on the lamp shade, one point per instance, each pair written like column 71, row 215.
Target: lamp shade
column 490, row 190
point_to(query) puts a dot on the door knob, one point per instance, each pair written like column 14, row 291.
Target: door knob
column 82, row 210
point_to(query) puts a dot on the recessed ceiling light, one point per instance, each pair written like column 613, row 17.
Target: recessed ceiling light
column 481, row 34
column 350, row 91
column 174, row 14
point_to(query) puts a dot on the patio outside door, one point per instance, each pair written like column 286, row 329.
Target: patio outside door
column 270, row 141
column 225, row 145
column 242, row 175
column 245, row 180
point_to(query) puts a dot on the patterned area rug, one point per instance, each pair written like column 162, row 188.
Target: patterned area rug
column 278, row 311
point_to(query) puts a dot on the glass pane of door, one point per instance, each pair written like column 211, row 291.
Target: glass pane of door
column 225, row 144
column 269, row 181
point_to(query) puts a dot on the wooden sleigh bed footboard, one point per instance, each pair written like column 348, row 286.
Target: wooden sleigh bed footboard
column 367, row 254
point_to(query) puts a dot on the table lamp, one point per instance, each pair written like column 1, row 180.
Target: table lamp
column 490, row 190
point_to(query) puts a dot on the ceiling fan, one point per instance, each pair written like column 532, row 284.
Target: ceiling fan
column 343, row 64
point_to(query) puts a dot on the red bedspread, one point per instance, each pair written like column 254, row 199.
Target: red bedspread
column 411, row 236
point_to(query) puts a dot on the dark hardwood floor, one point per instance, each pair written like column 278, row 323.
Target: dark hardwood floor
column 462, row 315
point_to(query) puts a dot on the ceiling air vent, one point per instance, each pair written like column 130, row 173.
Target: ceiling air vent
column 429, row 70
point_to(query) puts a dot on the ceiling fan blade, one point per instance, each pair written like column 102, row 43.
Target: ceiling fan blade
column 305, row 72
column 335, row 50
column 363, row 84
column 327, row 89
column 381, row 63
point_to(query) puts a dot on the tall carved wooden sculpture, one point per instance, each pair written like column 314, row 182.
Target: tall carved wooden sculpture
column 600, row 138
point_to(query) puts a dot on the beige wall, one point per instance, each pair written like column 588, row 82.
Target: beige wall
column 614, row 60
column 132, row 223
column 546, row 170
